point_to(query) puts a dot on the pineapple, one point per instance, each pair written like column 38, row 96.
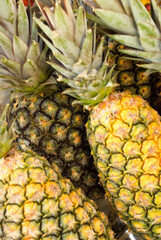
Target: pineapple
column 123, row 130
column 44, row 119
column 132, row 77
column 127, row 153
column 36, row 202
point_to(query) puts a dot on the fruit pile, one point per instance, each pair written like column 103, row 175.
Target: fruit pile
column 80, row 146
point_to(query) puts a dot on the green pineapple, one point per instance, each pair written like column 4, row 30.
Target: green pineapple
column 124, row 132
column 44, row 119
column 36, row 202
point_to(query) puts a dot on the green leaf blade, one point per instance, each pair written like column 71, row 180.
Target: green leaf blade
column 23, row 23
column 20, row 49
column 149, row 36
column 120, row 23
column 6, row 45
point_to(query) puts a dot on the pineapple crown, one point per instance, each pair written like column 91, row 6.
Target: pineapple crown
column 23, row 67
column 129, row 22
column 78, row 53
column 6, row 134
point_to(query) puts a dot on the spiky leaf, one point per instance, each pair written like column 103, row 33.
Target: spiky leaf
column 145, row 35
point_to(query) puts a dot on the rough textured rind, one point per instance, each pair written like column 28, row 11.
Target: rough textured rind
column 125, row 136
column 38, row 203
column 130, row 76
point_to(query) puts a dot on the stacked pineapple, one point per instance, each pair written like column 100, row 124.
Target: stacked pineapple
column 123, row 130
column 46, row 121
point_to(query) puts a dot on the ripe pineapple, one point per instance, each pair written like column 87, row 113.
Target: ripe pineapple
column 36, row 202
column 44, row 119
column 124, row 132
column 127, row 150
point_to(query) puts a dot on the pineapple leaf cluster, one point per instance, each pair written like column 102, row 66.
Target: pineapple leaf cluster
column 144, row 40
column 80, row 57
column 22, row 53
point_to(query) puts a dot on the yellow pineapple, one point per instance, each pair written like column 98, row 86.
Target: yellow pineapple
column 36, row 202
column 124, row 134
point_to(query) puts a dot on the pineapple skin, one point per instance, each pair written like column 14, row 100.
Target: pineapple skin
column 51, row 126
column 36, row 202
column 124, row 133
column 130, row 77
